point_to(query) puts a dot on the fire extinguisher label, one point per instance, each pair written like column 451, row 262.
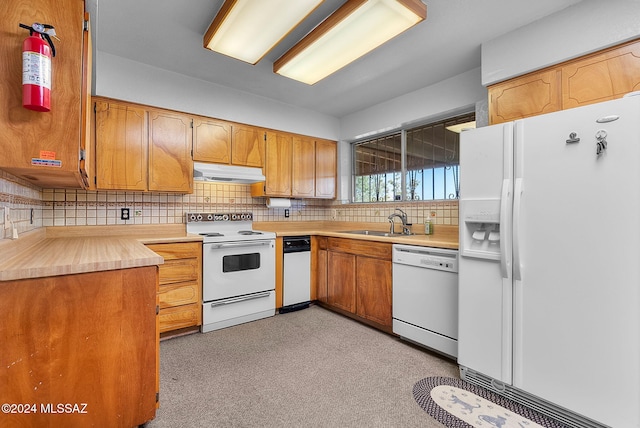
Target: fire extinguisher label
column 36, row 69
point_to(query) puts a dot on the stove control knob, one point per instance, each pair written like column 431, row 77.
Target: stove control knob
column 243, row 216
column 210, row 217
column 192, row 217
column 234, row 216
column 249, row 216
column 225, row 217
column 199, row 217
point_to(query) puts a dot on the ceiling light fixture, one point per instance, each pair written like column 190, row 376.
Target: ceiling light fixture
column 248, row 29
column 462, row 127
column 356, row 28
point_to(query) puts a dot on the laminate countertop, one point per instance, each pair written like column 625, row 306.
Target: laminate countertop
column 52, row 251
column 444, row 236
column 56, row 251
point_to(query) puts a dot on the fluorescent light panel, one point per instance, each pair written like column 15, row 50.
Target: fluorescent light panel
column 248, row 29
column 356, row 28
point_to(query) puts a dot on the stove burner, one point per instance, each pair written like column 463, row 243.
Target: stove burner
column 211, row 234
column 249, row 232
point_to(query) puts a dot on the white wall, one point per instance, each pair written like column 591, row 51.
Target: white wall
column 453, row 95
column 582, row 28
column 123, row 79
column 447, row 98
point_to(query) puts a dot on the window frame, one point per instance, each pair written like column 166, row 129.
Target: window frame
column 402, row 131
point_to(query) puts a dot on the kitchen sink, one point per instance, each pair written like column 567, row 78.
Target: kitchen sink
column 370, row 232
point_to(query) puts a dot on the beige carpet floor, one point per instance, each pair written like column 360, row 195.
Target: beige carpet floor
column 310, row 368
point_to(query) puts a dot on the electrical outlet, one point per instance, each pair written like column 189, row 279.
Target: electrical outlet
column 7, row 218
column 286, row 213
column 124, row 213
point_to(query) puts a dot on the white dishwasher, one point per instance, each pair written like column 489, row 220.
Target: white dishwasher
column 296, row 293
column 425, row 297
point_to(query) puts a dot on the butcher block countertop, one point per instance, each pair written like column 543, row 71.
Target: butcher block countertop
column 443, row 237
column 53, row 251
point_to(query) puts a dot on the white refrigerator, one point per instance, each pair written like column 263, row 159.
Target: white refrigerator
column 549, row 268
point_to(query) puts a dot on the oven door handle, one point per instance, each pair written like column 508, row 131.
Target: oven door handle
column 241, row 299
column 240, row 244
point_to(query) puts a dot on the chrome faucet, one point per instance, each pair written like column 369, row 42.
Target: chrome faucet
column 403, row 217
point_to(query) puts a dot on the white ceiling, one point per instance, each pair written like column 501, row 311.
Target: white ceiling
column 168, row 34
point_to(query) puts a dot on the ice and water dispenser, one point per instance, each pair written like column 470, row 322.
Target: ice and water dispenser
column 480, row 228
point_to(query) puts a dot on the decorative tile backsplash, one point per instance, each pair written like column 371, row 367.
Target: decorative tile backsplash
column 60, row 207
column 22, row 199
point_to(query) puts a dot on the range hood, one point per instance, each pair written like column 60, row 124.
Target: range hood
column 226, row 173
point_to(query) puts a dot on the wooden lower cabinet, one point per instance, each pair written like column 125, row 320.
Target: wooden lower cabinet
column 341, row 281
column 354, row 277
column 87, row 340
column 374, row 289
column 180, row 291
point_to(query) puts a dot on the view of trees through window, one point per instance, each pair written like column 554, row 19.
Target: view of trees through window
column 431, row 164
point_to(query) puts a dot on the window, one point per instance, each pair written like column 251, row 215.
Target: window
column 378, row 169
column 429, row 159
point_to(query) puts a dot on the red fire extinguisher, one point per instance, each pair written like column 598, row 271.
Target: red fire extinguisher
column 36, row 67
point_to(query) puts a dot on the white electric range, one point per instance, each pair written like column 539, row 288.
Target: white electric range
column 238, row 269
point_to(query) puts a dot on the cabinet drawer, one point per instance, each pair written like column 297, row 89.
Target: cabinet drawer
column 178, row 294
column 179, row 250
column 180, row 317
column 179, row 270
column 360, row 247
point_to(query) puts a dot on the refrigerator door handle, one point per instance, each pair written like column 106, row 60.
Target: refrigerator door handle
column 517, row 265
column 505, row 251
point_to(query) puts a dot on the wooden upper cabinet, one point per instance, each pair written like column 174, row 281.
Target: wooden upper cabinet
column 211, row 141
column 170, row 144
column 604, row 75
column 601, row 77
column 121, row 146
column 303, row 168
column 326, row 168
column 529, row 95
column 247, row 147
column 45, row 148
column 277, row 168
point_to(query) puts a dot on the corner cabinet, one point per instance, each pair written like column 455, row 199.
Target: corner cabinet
column 47, row 149
column 139, row 148
column 354, row 277
column 602, row 76
column 180, row 292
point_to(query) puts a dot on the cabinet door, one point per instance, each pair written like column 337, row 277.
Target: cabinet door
column 247, row 146
column 341, row 281
column 121, row 146
column 529, row 95
column 170, row 143
column 277, row 168
column 100, row 335
column 43, row 147
column 211, row 141
column 303, row 167
column 326, row 167
column 601, row 77
column 374, row 289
